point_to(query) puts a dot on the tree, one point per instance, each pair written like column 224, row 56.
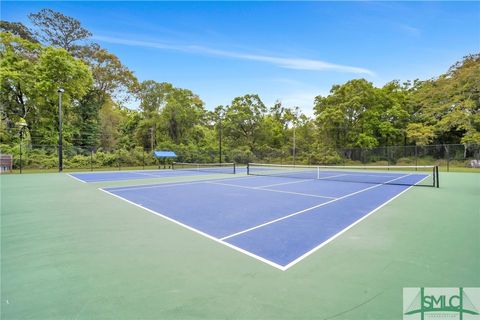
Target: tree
column 18, row 58
column 129, row 122
column 57, row 68
column 284, row 119
column 111, row 81
column 58, row 30
column 110, row 76
column 87, row 119
column 357, row 114
column 17, row 29
column 98, row 87
column 451, row 102
column 420, row 134
column 394, row 113
column 183, row 111
column 243, row 119
column 30, row 78
column 110, row 119
column 169, row 114
column 306, row 137
column 350, row 115
column 153, row 96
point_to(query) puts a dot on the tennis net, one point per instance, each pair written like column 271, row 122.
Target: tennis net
column 205, row 167
column 398, row 175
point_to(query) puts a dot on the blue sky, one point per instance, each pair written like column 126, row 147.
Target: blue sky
column 290, row 51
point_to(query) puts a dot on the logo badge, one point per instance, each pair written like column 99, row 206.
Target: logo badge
column 441, row 303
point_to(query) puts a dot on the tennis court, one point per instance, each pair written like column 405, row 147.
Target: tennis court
column 179, row 169
column 280, row 242
column 270, row 216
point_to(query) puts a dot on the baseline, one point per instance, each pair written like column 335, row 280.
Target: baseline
column 271, row 263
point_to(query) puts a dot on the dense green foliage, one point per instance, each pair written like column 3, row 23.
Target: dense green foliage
column 106, row 108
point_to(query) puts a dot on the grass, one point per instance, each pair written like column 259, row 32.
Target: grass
column 70, row 251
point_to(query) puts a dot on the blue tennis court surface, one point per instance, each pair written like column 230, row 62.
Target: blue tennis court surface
column 90, row 177
column 277, row 220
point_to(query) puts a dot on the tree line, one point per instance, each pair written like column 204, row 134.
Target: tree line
column 100, row 92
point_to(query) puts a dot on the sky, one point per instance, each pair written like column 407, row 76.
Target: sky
column 286, row 51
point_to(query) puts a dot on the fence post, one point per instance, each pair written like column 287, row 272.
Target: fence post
column 448, row 158
column 416, row 157
column 388, row 156
column 91, row 159
column 143, row 159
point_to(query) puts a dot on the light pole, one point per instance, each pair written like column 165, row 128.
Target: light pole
column 60, row 139
column 294, row 144
column 22, row 125
column 294, row 120
column 220, row 116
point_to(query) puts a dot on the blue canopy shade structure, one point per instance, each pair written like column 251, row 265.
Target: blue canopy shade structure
column 164, row 154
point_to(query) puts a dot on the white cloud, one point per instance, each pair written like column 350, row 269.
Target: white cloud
column 410, row 30
column 288, row 63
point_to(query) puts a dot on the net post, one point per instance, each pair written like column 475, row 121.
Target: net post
column 416, row 157
column 434, row 176
column 248, row 168
column 437, row 176
column 448, row 158
column 234, row 168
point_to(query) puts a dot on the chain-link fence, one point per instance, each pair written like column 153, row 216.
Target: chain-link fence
column 45, row 157
column 446, row 156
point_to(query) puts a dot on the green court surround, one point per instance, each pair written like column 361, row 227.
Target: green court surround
column 69, row 251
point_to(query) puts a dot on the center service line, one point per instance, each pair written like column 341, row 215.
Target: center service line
column 309, row 209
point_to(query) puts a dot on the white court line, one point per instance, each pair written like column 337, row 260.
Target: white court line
column 109, row 171
column 308, row 209
column 178, row 173
column 173, row 184
column 155, row 173
column 338, row 175
column 269, row 190
column 297, row 193
column 273, row 264
column 283, row 183
column 68, row 174
column 372, row 175
column 109, row 179
column 150, row 174
column 306, row 254
column 165, row 185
